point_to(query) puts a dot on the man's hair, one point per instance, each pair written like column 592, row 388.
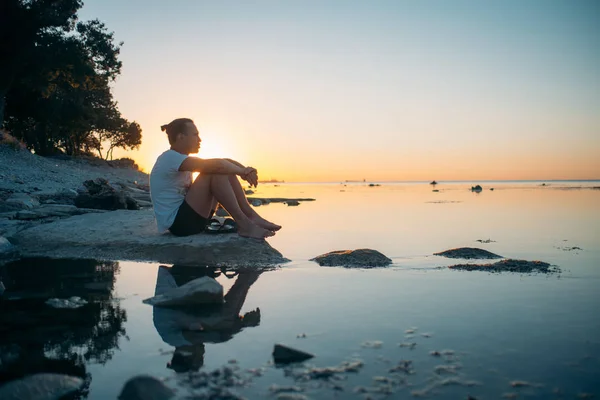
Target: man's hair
column 174, row 128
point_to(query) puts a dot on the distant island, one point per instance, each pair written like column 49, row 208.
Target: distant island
column 272, row 181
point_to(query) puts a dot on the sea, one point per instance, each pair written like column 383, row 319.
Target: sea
column 413, row 329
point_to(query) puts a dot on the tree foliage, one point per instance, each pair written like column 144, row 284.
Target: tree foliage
column 56, row 80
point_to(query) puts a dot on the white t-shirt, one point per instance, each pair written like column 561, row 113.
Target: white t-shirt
column 168, row 187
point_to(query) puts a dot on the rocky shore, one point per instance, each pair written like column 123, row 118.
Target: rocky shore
column 90, row 208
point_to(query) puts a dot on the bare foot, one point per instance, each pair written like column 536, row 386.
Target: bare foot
column 263, row 223
column 254, row 231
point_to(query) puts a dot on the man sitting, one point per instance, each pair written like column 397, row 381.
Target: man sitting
column 184, row 206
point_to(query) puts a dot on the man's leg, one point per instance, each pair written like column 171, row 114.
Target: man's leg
column 247, row 208
column 207, row 188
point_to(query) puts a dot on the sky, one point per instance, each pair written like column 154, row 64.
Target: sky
column 377, row 90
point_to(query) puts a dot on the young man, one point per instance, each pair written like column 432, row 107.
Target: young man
column 183, row 206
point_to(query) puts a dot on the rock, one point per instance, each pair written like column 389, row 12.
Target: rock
column 65, row 196
column 292, row 203
column 467, row 253
column 101, row 195
column 22, row 200
column 256, row 202
column 522, row 266
column 476, row 188
column 204, row 290
column 72, row 302
column 144, row 387
column 41, row 387
column 132, row 235
column 286, row 355
column 362, row 258
column 53, row 210
column 248, row 191
column 7, row 250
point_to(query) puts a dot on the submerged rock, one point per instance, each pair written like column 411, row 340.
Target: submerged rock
column 204, row 290
column 467, row 253
column 145, row 387
column 361, row 258
column 522, row 266
column 286, row 355
column 41, row 387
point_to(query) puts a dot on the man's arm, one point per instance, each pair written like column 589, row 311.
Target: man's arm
column 211, row 166
column 219, row 166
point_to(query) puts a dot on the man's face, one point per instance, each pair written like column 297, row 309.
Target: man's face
column 191, row 138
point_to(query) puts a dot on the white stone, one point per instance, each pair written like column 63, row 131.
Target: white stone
column 205, row 290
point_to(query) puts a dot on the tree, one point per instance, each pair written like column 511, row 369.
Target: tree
column 59, row 97
column 22, row 23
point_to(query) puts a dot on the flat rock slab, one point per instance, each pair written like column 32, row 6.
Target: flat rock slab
column 521, row 266
column 468, row 253
column 132, row 235
column 360, row 258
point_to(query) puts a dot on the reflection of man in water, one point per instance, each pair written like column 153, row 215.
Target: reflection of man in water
column 188, row 329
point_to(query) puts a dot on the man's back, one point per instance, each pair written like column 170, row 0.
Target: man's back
column 168, row 187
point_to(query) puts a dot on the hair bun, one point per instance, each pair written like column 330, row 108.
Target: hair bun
column 163, row 127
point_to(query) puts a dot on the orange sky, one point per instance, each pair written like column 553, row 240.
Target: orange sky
column 331, row 90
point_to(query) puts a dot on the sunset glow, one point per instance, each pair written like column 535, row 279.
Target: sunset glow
column 383, row 90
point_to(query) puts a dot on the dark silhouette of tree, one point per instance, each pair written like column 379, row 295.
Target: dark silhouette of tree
column 57, row 84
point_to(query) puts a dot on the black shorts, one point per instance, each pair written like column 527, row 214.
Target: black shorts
column 188, row 222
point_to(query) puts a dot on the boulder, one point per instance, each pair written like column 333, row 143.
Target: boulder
column 101, row 195
column 292, row 203
column 22, row 201
column 467, row 253
column 65, row 196
column 144, row 387
column 132, row 235
column 41, row 387
column 361, row 258
column 204, row 290
column 285, row 355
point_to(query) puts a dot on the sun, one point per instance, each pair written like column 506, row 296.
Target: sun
column 213, row 146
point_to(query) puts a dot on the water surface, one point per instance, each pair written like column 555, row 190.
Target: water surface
column 540, row 330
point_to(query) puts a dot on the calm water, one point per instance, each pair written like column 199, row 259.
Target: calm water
column 543, row 330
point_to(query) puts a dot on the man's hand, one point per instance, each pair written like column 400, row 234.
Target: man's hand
column 250, row 175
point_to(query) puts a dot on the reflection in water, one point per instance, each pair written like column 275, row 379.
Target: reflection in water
column 188, row 329
column 35, row 337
